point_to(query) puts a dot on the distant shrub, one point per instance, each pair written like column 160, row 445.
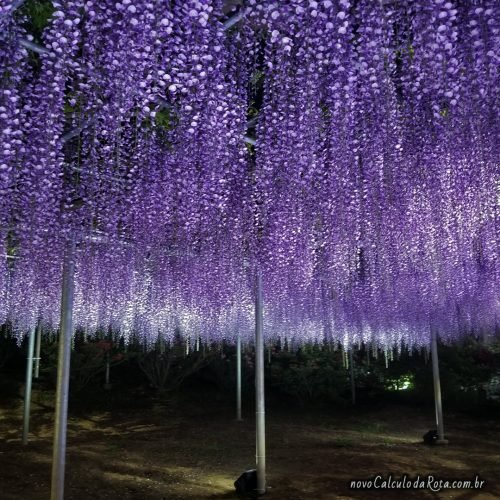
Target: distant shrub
column 310, row 375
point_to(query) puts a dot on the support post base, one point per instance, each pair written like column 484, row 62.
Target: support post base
column 441, row 441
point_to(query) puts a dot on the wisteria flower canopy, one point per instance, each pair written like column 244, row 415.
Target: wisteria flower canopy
column 368, row 202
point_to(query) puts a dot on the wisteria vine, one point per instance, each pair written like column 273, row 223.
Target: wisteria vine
column 369, row 201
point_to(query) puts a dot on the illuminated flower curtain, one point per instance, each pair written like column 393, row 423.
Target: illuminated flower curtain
column 368, row 202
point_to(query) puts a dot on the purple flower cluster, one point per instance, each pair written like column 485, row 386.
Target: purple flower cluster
column 369, row 201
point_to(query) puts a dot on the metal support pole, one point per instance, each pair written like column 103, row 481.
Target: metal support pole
column 260, row 412
column 437, row 390
column 107, row 371
column 353, row 382
column 27, row 387
column 238, row 379
column 37, row 349
column 107, row 385
column 63, row 367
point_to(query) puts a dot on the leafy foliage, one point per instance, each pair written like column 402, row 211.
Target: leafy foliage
column 38, row 14
column 88, row 362
column 310, row 375
column 166, row 369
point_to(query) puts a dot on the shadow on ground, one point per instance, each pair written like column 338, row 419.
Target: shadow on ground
column 166, row 454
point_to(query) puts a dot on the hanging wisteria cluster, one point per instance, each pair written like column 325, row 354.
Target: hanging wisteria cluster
column 369, row 201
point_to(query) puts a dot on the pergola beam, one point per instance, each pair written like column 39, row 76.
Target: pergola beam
column 16, row 5
column 75, row 132
column 249, row 140
column 252, row 122
column 34, row 47
column 236, row 18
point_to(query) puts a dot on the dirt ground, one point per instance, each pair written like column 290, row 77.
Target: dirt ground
column 162, row 453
